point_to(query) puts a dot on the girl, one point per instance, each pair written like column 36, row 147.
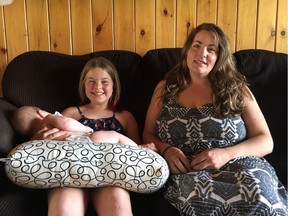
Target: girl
column 99, row 90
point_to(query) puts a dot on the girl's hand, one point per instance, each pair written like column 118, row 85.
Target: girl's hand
column 88, row 130
column 177, row 161
column 151, row 146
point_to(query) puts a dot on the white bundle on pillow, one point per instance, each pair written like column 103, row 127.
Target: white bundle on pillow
column 50, row 163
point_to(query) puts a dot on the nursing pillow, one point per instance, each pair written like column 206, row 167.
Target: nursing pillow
column 42, row 164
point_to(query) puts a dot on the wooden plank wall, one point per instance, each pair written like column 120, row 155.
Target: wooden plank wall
column 83, row 26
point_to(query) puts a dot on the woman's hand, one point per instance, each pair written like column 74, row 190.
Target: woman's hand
column 177, row 161
column 213, row 158
column 51, row 133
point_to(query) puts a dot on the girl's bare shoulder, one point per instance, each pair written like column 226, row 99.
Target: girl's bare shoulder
column 71, row 112
column 124, row 114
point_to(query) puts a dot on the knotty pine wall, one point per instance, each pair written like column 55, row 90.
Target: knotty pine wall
column 83, row 26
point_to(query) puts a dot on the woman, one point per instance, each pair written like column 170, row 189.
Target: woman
column 206, row 123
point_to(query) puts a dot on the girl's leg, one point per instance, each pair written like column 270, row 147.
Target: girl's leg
column 111, row 201
column 67, row 201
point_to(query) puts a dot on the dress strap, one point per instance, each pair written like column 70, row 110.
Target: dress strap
column 80, row 112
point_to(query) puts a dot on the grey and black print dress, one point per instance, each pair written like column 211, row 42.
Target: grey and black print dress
column 243, row 186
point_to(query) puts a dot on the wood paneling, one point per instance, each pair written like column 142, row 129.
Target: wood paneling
column 246, row 29
column 16, row 28
column 266, row 25
column 59, row 26
column 3, row 50
column 281, row 33
column 226, row 19
column 102, row 24
column 124, row 25
column 83, row 26
column 145, row 25
column 165, row 23
column 206, row 11
column 186, row 20
column 37, row 25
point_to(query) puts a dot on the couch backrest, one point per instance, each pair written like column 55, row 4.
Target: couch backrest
column 155, row 64
column 50, row 80
column 266, row 72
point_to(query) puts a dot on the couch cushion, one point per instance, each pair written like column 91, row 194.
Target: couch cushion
column 7, row 133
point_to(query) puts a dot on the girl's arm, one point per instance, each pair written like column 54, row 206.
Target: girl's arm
column 111, row 137
column 66, row 123
column 130, row 125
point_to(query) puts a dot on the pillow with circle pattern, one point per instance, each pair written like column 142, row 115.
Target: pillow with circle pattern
column 49, row 163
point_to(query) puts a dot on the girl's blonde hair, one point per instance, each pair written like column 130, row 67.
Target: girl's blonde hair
column 106, row 65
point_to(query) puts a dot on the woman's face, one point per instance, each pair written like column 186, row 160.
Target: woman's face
column 202, row 54
column 98, row 86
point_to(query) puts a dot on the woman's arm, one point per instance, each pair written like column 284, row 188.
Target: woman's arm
column 130, row 125
column 149, row 132
column 259, row 141
column 175, row 158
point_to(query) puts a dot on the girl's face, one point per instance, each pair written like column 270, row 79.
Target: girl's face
column 98, row 86
column 202, row 54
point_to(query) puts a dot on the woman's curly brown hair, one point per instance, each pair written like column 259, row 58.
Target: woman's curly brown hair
column 227, row 83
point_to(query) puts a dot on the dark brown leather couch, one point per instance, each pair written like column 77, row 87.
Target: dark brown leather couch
column 49, row 80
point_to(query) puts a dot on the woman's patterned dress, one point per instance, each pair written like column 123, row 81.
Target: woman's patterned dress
column 244, row 186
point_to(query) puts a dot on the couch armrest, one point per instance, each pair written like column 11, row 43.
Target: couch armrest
column 8, row 138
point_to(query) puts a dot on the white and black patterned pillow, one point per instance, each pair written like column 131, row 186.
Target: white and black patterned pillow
column 49, row 163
